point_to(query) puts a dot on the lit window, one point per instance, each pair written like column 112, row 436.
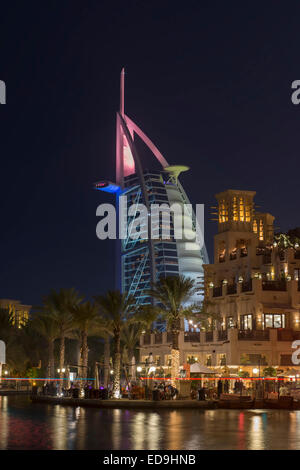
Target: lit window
column 242, row 215
column 247, row 212
column 246, row 322
column 235, row 209
column 222, row 359
column 273, row 320
column 261, row 230
column 208, row 360
column 254, row 226
column 223, row 212
column 229, row 322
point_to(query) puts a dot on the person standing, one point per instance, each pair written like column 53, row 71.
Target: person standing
column 220, row 388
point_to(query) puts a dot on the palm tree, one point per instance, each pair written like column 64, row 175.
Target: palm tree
column 46, row 326
column 17, row 344
column 6, row 326
column 130, row 337
column 61, row 304
column 115, row 310
column 85, row 316
column 172, row 294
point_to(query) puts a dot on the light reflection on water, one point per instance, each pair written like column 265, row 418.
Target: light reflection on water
column 26, row 426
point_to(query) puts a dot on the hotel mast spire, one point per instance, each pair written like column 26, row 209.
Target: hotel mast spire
column 122, row 92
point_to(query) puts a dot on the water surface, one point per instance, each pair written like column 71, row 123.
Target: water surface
column 40, row 426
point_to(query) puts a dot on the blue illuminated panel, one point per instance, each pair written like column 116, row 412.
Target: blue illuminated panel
column 107, row 186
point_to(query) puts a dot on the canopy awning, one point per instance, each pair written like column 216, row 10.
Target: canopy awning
column 290, row 373
column 197, row 368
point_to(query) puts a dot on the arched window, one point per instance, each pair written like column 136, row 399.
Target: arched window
column 254, row 226
column 261, row 230
column 235, row 209
column 242, row 210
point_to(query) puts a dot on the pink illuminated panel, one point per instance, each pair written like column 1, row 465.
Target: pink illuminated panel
column 128, row 161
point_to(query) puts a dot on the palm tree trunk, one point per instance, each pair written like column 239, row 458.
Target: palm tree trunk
column 85, row 354
column 106, row 360
column 117, row 365
column 175, row 355
column 61, row 360
column 51, row 359
column 78, row 354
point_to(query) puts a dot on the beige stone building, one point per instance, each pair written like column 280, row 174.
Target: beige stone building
column 252, row 286
column 19, row 313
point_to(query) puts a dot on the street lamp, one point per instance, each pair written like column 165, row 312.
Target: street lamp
column 139, row 369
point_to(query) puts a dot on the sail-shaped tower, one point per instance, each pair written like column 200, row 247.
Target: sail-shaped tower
column 144, row 260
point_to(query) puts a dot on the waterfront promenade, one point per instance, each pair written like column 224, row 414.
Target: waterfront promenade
column 285, row 403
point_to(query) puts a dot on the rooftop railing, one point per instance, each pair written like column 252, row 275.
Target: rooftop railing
column 169, row 337
column 231, row 289
column 158, row 338
column 147, row 338
column 297, row 254
column 274, row 285
column 217, row 291
column 222, row 335
column 287, row 334
column 209, row 336
column 247, row 286
column 252, row 335
column 192, row 336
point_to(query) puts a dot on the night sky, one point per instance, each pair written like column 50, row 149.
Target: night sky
column 210, row 85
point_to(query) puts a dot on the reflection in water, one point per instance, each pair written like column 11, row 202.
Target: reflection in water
column 256, row 434
column 153, row 431
column 4, row 422
column 116, row 429
column 27, row 426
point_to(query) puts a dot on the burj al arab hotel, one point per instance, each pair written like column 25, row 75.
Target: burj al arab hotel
column 143, row 261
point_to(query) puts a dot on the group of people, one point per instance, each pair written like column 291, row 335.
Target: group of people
column 223, row 386
column 53, row 389
column 165, row 391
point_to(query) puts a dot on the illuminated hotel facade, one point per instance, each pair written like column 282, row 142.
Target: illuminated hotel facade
column 143, row 261
column 252, row 289
column 17, row 312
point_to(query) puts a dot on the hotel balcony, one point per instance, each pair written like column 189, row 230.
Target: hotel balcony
column 192, row 336
column 254, row 335
column 285, row 288
column 157, row 340
column 274, row 285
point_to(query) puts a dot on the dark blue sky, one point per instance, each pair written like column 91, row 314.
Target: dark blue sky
column 210, row 85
